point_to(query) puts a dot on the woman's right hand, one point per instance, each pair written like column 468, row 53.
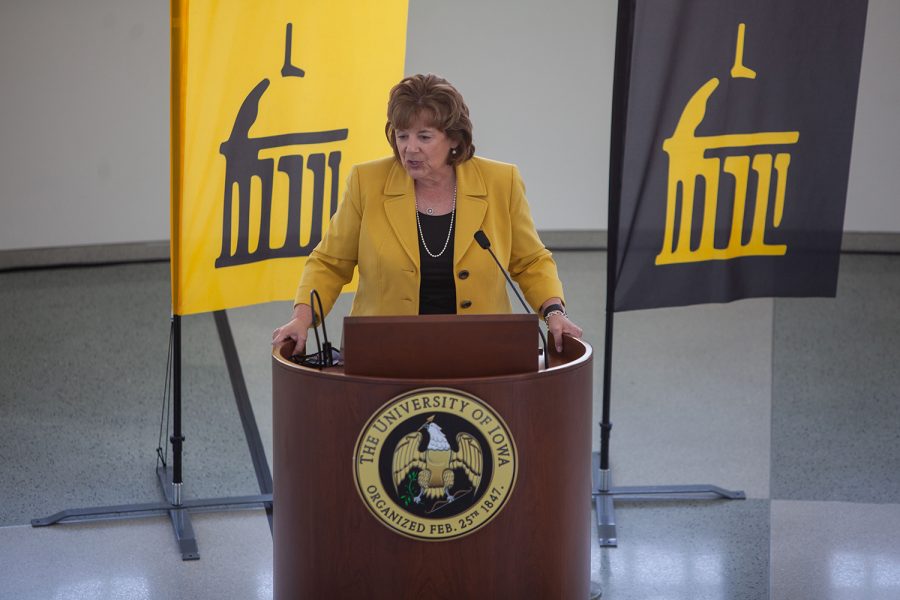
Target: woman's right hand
column 297, row 329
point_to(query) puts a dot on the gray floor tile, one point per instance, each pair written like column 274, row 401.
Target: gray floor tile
column 82, row 394
column 687, row 551
column 836, row 388
column 835, row 551
column 82, row 379
column 138, row 560
column 690, row 396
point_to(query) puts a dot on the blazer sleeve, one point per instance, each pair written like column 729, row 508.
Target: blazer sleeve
column 530, row 263
column 330, row 265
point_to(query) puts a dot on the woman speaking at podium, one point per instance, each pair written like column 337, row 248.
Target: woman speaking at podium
column 407, row 222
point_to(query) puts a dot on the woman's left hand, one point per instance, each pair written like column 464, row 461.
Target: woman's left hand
column 559, row 324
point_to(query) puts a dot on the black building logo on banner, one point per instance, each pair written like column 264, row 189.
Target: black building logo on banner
column 735, row 150
column 243, row 162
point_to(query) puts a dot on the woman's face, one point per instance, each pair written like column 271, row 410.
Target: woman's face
column 423, row 151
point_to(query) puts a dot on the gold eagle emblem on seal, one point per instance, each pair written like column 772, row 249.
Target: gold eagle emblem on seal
column 437, row 464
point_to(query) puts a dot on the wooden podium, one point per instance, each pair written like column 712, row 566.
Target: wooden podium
column 329, row 543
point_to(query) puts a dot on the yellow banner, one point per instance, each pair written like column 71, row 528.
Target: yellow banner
column 272, row 103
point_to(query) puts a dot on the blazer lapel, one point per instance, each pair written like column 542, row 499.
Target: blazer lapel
column 471, row 207
column 400, row 209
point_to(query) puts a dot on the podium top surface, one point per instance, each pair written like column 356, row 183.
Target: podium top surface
column 444, row 347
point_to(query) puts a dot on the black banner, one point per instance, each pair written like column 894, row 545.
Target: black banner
column 737, row 137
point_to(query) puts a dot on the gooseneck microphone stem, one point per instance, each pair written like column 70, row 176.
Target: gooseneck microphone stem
column 326, row 358
column 483, row 241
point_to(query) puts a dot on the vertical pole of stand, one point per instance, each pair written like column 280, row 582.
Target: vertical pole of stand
column 177, row 55
column 605, row 424
column 621, row 78
column 177, row 438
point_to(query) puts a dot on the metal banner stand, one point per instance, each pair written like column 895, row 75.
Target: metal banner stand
column 170, row 477
column 604, row 495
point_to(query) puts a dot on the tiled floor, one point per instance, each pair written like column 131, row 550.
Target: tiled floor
column 796, row 402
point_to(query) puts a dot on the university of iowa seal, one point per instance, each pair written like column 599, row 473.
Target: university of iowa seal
column 435, row 464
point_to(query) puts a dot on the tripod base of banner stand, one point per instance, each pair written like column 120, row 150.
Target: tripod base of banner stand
column 605, row 496
column 179, row 513
column 177, row 509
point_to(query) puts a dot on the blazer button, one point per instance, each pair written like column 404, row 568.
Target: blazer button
column 465, row 304
column 463, row 274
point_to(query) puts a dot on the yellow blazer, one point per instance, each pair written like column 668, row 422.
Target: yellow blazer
column 375, row 229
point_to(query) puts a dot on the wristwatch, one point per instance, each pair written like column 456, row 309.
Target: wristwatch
column 553, row 309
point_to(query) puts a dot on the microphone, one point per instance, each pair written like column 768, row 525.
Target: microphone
column 483, row 241
column 326, row 355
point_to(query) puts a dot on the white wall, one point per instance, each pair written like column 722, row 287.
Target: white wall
column 84, row 107
column 84, row 111
column 873, row 192
column 537, row 76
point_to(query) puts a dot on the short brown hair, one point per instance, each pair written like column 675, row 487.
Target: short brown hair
column 441, row 105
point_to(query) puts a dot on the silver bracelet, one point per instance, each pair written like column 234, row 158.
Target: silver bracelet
column 550, row 314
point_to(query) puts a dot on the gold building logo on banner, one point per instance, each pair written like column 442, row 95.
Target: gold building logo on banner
column 248, row 157
column 435, row 464
column 689, row 164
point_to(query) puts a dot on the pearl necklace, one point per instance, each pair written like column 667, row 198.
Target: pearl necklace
column 449, row 233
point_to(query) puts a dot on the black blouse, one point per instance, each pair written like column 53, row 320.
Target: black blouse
column 437, row 289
